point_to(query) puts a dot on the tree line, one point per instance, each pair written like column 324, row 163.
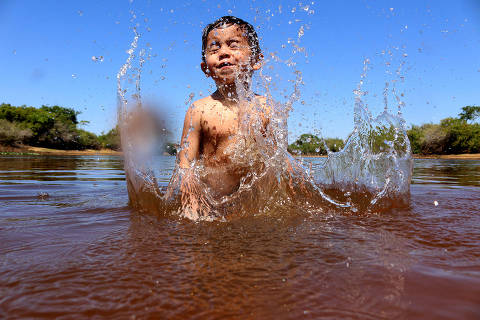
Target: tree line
column 57, row 127
column 453, row 135
column 50, row 127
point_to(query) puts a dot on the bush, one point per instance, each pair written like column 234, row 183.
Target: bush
column 11, row 134
column 51, row 127
column 433, row 139
column 461, row 137
column 309, row 144
column 451, row 136
column 335, row 144
column 87, row 140
column 415, row 135
column 110, row 140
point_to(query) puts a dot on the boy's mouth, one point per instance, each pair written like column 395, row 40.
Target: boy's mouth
column 224, row 64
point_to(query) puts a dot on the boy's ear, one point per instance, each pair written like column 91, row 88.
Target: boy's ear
column 205, row 70
column 259, row 63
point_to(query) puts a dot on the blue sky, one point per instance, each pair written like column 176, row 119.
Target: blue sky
column 47, row 49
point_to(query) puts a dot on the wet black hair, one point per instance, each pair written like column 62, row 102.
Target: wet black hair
column 250, row 33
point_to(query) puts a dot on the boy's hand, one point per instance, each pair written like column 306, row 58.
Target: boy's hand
column 194, row 202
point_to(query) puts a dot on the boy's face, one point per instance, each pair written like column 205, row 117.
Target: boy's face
column 228, row 54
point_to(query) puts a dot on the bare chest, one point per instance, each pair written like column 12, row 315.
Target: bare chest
column 219, row 124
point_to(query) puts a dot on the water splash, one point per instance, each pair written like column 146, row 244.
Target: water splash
column 375, row 164
column 372, row 172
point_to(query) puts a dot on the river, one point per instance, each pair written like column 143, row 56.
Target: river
column 71, row 247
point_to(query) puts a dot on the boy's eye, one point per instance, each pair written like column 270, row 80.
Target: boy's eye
column 213, row 46
column 234, row 44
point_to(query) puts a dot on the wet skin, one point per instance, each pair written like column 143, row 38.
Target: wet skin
column 211, row 127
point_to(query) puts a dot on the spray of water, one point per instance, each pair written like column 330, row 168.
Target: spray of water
column 372, row 172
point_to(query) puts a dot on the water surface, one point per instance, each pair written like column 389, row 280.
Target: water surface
column 71, row 247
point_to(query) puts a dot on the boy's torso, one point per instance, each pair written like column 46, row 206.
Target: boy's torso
column 220, row 130
column 222, row 146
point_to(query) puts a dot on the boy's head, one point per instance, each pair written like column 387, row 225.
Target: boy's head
column 229, row 47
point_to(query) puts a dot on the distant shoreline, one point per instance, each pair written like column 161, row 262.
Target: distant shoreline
column 466, row 156
column 28, row 150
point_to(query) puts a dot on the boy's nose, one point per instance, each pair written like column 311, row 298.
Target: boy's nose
column 223, row 53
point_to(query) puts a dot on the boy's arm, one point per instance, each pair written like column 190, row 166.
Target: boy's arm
column 192, row 197
column 190, row 144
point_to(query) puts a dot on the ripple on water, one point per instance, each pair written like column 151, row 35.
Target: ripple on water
column 97, row 257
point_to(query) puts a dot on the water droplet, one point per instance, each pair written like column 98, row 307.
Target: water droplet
column 301, row 32
column 99, row 58
column 80, row 13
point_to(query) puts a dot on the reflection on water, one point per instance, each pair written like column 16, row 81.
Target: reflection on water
column 82, row 252
column 447, row 172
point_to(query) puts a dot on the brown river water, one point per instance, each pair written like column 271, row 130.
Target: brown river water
column 71, row 247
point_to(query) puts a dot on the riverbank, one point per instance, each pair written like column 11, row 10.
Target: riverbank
column 466, row 156
column 28, row 150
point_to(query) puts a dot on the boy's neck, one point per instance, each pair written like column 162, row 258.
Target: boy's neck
column 229, row 95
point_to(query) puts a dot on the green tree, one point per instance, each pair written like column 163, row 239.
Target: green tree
column 461, row 137
column 111, row 139
column 52, row 127
column 309, row 144
column 335, row 144
column 87, row 140
column 415, row 135
column 469, row 113
column 382, row 138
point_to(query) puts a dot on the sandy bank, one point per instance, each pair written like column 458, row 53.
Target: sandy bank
column 47, row 151
column 73, row 152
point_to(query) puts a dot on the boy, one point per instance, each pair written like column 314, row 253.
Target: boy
column 220, row 128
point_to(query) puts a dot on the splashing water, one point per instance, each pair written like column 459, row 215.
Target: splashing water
column 372, row 172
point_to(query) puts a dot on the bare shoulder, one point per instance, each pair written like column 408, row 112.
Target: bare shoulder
column 205, row 105
column 264, row 103
column 198, row 108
